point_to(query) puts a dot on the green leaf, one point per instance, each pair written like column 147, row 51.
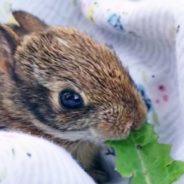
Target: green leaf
column 141, row 157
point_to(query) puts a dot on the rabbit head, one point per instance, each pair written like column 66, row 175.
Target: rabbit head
column 75, row 87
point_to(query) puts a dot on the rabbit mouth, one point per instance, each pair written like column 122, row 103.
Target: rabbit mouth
column 81, row 135
column 74, row 135
column 110, row 132
column 77, row 135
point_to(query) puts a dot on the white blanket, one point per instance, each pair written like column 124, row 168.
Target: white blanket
column 25, row 159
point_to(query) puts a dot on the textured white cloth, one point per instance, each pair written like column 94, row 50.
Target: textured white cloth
column 25, row 159
column 148, row 37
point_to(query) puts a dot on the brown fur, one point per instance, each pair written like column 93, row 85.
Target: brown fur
column 50, row 59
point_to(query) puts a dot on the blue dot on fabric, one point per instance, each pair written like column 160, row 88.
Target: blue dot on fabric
column 147, row 100
column 115, row 21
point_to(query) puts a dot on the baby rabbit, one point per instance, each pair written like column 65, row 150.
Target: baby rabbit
column 58, row 83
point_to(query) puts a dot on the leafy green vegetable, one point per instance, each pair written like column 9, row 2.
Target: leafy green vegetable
column 141, row 157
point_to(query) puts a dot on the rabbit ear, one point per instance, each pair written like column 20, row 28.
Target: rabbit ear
column 28, row 22
column 8, row 44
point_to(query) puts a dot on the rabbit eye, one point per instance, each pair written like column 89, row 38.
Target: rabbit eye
column 70, row 99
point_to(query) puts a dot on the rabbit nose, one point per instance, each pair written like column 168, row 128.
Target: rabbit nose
column 144, row 119
column 139, row 124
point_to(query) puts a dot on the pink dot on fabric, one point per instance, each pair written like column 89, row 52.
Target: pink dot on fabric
column 165, row 98
column 157, row 101
column 161, row 87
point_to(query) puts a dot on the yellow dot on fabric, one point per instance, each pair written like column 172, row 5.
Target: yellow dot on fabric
column 90, row 13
